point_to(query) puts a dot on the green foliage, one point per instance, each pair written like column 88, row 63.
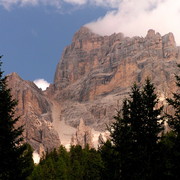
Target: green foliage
column 174, row 123
column 174, row 120
column 110, row 161
column 27, row 163
column 77, row 164
column 13, row 154
column 85, row 163
column 135, row 133
column 167, row 155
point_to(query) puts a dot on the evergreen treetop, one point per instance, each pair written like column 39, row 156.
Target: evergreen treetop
column 135, row 132
column 174, row 120
column 11, row 147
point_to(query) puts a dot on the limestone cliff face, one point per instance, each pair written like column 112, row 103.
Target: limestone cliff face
column 94, row 75
column 96, row 72
column 83, row 135
column 94, row 65
column 34, row 110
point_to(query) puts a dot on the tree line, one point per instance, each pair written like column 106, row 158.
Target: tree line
column 138, row 147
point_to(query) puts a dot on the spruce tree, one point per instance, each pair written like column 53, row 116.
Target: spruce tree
column 12, row 151
column 174, row 123
column 124, row 132
column 135, row 133
column 152, row 126
column 174, row 120
column 152, row 116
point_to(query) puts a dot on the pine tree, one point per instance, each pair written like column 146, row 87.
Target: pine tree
column 109, row 157
column 135, row 133
column 174, row 120
column 152, row 126
column 11, row 148
column 153, row 119
column 174, row 123
column 124, row 133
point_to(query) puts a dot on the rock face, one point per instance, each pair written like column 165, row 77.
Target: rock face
column 94, row 75
column 83, row 135
column 34, row 110
column 96, row 72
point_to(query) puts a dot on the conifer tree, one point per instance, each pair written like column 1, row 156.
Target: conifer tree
column 153, row 118
column 174, row 123
column 11, row 147
column 174, row 120
column 152, row 126
column 124, row 134
column 135, row 133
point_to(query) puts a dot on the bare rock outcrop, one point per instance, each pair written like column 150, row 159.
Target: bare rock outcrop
column 34, row 110
column 83, row 135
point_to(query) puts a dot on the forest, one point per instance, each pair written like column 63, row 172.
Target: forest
column 138, row 146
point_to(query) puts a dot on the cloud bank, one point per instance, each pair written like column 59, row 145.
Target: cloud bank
column 7, row 4
column 130, row 17
column 136, row 17
column 41, row 83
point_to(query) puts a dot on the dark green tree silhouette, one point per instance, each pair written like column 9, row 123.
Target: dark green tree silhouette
column 174, row 120
column 12, row 150
column 135, row 133
column 174, row 123
column 152, row 126
column 109, row 157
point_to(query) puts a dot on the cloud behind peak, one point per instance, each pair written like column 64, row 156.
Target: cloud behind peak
column 131, row 17
column 134, row 18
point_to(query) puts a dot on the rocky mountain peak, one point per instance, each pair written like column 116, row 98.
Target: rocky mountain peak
column 34, row 110
column 92, row 78
column 169, row 40
column 95, row 72
column 14, row 75
column 150, row 34
column 83, row 33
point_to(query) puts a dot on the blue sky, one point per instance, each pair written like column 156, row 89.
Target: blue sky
column 33, row 38
column 33, row 33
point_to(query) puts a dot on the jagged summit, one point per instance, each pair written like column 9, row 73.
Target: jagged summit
column 83, row 33
column 14, row 75
column 92, row 78
column 92, row 52
column 97, row 71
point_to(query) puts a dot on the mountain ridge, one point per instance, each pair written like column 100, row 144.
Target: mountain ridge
column 92, row 78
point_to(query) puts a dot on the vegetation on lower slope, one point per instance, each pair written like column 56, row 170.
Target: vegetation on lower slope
column 138, row 148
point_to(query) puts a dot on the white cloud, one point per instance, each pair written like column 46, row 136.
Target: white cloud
column 41, row 83
column 8, row 4
column 79, row 2
column 134, row 17
column 58, row 3
column 130, row 17
column 106, row 3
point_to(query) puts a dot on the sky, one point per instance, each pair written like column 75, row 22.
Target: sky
column 33, row 33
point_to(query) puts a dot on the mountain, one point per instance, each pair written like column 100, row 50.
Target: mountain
column 35, row 114
column 95, row 73
column 92, row 78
